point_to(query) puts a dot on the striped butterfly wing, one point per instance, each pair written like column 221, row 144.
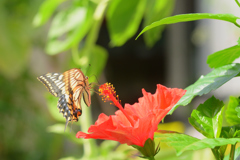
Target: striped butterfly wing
column 54, row 83
column 76, row 85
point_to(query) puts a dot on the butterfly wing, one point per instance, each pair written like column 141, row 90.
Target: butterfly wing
column 76, row 85
column 73, row 78
column 69, row 87
column 87, row 96
column 54, row 83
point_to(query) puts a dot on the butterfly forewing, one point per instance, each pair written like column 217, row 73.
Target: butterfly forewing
column 54, row 83
column 73, row 78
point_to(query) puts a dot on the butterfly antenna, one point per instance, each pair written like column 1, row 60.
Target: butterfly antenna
column 89, row 65
column 95, row 78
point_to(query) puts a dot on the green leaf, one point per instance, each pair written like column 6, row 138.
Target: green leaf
column 123, row 19
column 156, row 10
column 238, row 41
column 183, row 142
column 207, row 83
column 74, row 24
column 230, row 131
column 207, row 118
column 232, row 111
column 148, row 150
column 45, row 11
column 191, row 17
column 223, row 57
column 98, row 60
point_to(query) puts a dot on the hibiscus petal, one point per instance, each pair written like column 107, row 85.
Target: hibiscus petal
column 144, row 116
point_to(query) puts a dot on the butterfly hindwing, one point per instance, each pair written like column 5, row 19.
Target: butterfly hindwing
column 63, row 106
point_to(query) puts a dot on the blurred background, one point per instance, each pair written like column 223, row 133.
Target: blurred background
column 37, row 37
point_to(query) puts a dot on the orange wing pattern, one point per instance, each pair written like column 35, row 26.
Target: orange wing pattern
column 69, row 87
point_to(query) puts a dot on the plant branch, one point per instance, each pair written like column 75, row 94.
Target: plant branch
column 232, row 152
column 89, row 145
column 237, row 3
column 215, row 153
column 98, row 18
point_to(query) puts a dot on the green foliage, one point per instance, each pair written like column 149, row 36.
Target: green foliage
column 156, row 10
column 74, row 22
column 207, row 83
column 45, row 11
column 232, row 112
column 191, row 17
column 83, row 18
column 148, row 150
column 207, row 118
column 183, row 142
column 123, row 18
column 75, row 27
column 223, row 57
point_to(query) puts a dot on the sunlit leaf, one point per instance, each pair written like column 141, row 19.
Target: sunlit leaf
column 183, row 142
column 45, row 11
column 156, row 10
column 123, row 19
column 98, row 61
column 191, row 17
column 223, row 57
column 207, row 118
column 207, row 83
column 232, row 111
column 73, row 25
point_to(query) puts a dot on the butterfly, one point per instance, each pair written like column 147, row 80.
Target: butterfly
column 70, row 87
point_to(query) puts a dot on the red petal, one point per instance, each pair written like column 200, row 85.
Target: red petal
column 146, row 115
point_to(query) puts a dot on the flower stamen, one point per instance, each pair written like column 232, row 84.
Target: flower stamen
column 108, row 93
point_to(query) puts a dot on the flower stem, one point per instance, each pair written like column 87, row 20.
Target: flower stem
column 215, row 153
column 89, row 145
column 231, row 157
column 237, row 3
column 98, row 18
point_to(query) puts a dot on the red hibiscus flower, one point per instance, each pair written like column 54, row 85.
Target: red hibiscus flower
column 136, row 123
